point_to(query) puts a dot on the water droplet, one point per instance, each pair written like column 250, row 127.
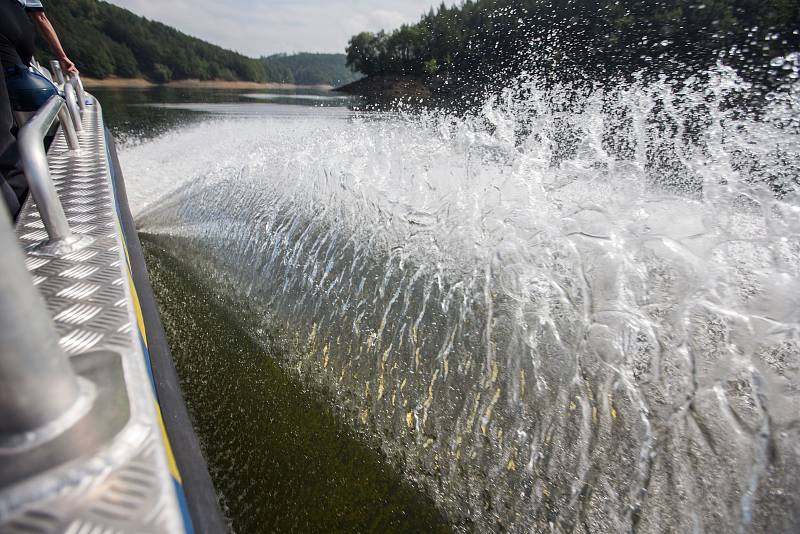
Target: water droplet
column 777, row 61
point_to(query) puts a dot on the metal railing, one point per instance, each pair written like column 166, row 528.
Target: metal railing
column 76, row 405
column 76, row 98
column 76, row 80
column 55, row 67
column 40, row 389
column 37, row 172
column 31, row 136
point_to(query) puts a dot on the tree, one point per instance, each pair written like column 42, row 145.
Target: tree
column 365, row 52
column 586, row 41
column 161, row 73
column 106, row 40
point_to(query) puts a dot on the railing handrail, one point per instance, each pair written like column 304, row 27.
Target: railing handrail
column 36, row 168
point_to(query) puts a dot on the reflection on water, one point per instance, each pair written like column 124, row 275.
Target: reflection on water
column 555, row 315
column 325, row 99
column 132, row 123
column 135, row 115
column 272, row 109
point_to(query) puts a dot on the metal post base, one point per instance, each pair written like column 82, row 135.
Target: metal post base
column 18, row 443
column 58, row 248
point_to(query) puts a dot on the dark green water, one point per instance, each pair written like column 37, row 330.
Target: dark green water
column 278, row 457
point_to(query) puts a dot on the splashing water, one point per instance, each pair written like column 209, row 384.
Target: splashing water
column 557, row 314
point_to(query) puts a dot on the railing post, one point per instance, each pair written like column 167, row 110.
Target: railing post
column 69, row 129
column 76, row 79
column 55, row 66
column 37, row 382
column 72, row 106
column 37, row 172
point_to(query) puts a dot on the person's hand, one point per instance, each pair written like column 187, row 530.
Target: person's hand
column 68, row 66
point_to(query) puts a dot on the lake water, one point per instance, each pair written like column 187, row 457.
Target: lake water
column 556, row 314
column 279, row 458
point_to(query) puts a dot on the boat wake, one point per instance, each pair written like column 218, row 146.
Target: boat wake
column 567, row 314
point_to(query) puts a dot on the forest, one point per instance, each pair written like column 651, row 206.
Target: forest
column 585, row 40
column 105, row 40
column 315, row 69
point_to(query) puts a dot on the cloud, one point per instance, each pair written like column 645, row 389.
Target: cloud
column 262, row 27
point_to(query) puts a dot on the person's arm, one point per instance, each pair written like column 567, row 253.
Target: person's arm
column 50, row 35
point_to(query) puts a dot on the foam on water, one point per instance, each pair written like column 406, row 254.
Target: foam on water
column 558, row 315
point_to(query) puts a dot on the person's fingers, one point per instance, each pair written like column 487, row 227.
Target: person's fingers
column 68, row 66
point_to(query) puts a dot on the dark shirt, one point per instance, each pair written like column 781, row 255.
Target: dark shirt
column 17, row 34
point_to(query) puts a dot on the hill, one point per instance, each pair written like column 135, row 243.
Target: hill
column 105, row 40
column 588, row 41
column 315, row 69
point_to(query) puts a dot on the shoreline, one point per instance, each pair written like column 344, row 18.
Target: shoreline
column 389, row 87
column 141, row 83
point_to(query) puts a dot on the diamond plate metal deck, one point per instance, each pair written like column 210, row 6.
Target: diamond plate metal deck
column 125, row 485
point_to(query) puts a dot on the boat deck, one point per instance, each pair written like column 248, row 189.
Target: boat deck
column 114, row 470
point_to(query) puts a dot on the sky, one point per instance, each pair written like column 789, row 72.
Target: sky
column 264, row 27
